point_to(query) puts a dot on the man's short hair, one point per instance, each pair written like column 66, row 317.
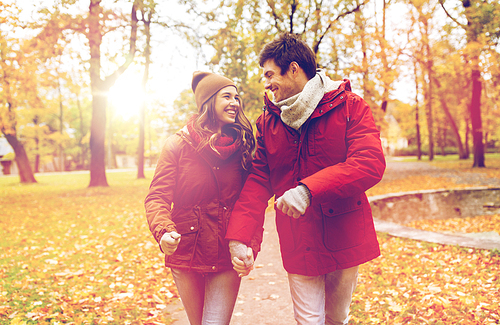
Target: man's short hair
column 287, row 48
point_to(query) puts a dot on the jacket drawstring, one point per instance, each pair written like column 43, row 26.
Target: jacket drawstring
column 347, row 109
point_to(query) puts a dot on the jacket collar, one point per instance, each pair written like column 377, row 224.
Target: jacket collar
column 332, row 97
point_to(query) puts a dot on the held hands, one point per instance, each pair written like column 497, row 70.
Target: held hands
column 241, row 257
column 295, row 201
column 169, row 242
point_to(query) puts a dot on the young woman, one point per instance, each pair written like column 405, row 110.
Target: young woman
column 199, row 175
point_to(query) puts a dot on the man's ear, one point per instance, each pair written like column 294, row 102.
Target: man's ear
column 294, row 68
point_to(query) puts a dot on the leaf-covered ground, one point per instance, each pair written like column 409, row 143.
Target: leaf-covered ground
column 69, row 254
column 423, row 283
column 74, row 255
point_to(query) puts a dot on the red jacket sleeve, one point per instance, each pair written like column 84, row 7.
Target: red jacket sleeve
column 365, row 163
column 247, row 218
column 158, row 202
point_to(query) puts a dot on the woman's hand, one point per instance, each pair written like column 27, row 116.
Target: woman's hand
column 241, row 257
column 169, row 242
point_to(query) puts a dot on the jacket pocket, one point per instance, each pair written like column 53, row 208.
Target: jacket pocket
column 343, row 223
column 188, row 228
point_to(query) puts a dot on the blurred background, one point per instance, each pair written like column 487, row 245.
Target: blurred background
column 96, row 85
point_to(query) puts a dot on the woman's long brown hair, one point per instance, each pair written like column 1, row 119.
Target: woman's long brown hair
column 206, row 124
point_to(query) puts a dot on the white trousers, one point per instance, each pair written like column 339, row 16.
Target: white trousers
column 323, row 299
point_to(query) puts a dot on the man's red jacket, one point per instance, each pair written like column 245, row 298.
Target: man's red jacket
column 338, row 156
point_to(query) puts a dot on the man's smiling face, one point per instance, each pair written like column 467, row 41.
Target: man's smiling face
column 283, row 86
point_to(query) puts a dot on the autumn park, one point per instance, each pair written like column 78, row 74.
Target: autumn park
column 90, row 90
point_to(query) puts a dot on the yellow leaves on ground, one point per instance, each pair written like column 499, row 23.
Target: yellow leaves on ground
column 76, row 255
column 420, row 283
column 414, row 183
column 460, row 225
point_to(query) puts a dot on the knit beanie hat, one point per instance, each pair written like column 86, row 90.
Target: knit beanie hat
column 206, row 84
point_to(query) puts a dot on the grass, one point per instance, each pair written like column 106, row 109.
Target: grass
column 489, row 158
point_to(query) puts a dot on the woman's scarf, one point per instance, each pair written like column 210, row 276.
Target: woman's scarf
column 223, row 147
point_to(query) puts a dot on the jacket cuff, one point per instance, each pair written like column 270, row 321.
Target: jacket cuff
column 160, row 234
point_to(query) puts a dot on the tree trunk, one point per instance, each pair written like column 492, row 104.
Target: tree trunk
column 22, row 161
column 37, row 156
column 97, row 140
column 110, row 150
column 430, row 119
column 98, row 122
column 142, row 113
column 385, row 63
column 475, row 116
column 61, row 126
column 428, row 90
column 83, row 150
column 417, row 123
column 467, row 136
column 451, row 120
column 99, row 88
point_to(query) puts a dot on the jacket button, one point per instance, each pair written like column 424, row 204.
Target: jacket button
column 225, row 208
column 295, row 141
column 341, row 97
column 192, row 228
column 213, row 267
column 308, row 249
column 331, row 210
column 320, row 111
column 359, row 202
column 331, row 105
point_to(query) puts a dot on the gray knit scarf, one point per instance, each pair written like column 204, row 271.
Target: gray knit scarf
column 297, row 109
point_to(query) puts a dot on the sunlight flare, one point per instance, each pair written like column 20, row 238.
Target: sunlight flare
column 126, row 95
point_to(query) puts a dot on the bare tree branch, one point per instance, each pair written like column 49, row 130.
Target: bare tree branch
column 111, row 79
column 276, row 17
column 441, row 2
column 343, row 14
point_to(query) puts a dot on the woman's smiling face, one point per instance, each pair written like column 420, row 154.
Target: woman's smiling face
column 227, row 105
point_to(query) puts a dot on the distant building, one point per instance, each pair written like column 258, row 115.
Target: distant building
column 7, row 165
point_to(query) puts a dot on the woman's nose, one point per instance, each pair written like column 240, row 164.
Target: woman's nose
column 235, row 102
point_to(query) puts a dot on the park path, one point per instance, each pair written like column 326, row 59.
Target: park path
column 264, row 297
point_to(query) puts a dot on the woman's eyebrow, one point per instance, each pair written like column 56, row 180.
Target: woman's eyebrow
column 229, row 93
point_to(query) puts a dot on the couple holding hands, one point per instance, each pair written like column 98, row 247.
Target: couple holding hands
column 317, row 150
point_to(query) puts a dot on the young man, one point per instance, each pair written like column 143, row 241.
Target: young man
column 318, row 151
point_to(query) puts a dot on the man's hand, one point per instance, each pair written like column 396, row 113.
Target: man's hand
column 241, row 257
column 169, row 242
column 295, row 201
